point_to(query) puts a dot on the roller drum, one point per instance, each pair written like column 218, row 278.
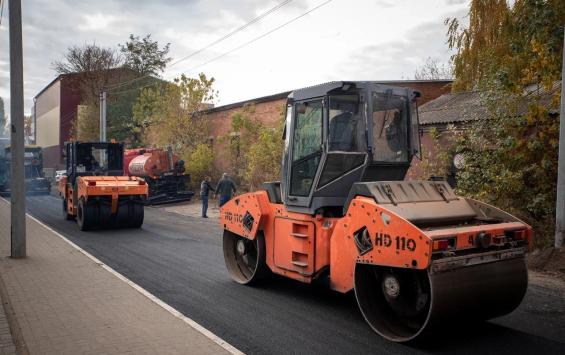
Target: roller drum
column 404, row 304
column 244, row 258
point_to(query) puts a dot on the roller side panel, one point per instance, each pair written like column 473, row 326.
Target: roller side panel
column 371, row 234
column 245, row 214
column 297, row 245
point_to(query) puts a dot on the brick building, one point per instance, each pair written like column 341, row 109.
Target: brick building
column 56, row 107
column 269, row 110
column 454, row 112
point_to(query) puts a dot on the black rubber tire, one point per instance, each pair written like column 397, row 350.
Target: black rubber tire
column 84, row 216
column 139, row 214
column 239, row 267
column 66, row 214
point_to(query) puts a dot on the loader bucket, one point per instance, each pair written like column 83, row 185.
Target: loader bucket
column 402, row 304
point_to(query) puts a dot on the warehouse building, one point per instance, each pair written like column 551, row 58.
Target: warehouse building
column 56, row 108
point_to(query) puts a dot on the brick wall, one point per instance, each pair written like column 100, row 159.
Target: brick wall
column 219, row 125
column 268, row 110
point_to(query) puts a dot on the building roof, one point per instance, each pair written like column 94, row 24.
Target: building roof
column 77, row 74
column 469, row 106
column 452, row 107
column 278, row 96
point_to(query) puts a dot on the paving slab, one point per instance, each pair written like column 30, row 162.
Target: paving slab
column 67, row 302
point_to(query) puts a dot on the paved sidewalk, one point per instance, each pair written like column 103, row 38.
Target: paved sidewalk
column 194, row 209
column 65, row 303
column 7, row 346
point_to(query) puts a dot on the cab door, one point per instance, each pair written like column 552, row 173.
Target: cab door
column 306, row 148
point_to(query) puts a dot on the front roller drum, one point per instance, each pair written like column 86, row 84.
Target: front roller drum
column 404, row 304
column 245, row 259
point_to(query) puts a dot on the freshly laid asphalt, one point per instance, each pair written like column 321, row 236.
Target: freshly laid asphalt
column 179, row 259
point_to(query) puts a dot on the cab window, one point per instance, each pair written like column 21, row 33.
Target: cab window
column 346, row 128
column 390, row 128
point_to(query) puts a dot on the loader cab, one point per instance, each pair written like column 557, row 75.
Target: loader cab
column 340, row 133
column 93, row 159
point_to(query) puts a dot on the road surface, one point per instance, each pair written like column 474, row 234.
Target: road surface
column 179, row 259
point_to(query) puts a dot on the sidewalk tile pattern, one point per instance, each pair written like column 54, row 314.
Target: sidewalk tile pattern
column 67, row 304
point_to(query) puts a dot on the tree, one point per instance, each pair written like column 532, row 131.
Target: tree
column 28, row 129
column 433, row 69
column 481, row 47
column 93, row 62
column 3, row 118
column 93, row 65
column 87, row 124
column 255, row 149
column 512, row 54
column 200, row 163
column 144, row 56
column 170, row 114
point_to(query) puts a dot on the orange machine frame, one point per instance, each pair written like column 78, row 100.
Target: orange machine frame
column 301, row 246
column 91, row 186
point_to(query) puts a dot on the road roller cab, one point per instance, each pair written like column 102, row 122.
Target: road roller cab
column 94, row 191
column 415, row 254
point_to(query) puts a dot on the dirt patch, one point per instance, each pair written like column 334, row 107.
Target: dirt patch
column 549, row 260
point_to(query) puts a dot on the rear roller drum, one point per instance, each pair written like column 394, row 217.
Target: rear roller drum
column 403, row 304
column 138, row 215
column 245, row 259
column 130, row 214
column 85, row 216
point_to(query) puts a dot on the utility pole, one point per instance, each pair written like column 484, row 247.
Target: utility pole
column 17, row 198
column 560, row 203
column 103, row 116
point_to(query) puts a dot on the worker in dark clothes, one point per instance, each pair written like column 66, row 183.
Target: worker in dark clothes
column 226, row 189
column 205, row 188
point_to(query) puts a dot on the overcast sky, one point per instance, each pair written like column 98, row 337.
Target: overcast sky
column 342, row 40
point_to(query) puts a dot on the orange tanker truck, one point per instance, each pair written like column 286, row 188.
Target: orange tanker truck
column 163, row 171
column 415, row 254
column 94, row 190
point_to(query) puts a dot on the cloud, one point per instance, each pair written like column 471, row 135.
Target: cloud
column 400, row 59
column 386, row 3
column 96, row 22
column 330, row 43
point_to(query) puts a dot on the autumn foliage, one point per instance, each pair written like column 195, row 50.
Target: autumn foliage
column 512, row 55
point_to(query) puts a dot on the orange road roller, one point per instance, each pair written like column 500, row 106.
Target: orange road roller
column 95, row 192
column 416, row 255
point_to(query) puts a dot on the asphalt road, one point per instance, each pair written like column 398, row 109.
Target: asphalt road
column 179, row 259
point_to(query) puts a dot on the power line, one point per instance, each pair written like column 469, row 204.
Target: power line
column 209, row 45
column 240, row 46
column 256, row 19
column 261, row 36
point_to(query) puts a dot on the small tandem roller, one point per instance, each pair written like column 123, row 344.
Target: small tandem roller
column 94, row 192
column 416, row 255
